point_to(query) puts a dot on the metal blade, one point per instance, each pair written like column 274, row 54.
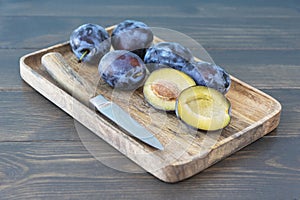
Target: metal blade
column 123, row 119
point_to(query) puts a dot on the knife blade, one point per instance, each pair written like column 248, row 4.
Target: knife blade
column 81, row 89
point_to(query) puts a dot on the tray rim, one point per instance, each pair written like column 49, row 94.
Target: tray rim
column 223, row 144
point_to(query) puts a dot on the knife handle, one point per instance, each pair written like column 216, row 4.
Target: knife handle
column 67, row 77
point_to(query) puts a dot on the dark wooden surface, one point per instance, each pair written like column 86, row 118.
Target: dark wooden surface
column 41, row 155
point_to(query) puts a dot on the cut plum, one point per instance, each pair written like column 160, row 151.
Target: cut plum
column 203, row 108
column 163, row 86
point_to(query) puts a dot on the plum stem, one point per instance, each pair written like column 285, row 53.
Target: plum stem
column 82, row 56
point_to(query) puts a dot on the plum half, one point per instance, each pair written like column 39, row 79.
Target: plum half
column 163, row 86
column 203, row 108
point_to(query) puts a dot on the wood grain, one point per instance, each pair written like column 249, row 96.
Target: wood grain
column 194, row 8
column 269, row 166
column 228, row 33
column 263, row 67
column 22, row 112
column 10, row 79
column 24, row 109
column 48, row 170
column 67, row 77
column 254, row 114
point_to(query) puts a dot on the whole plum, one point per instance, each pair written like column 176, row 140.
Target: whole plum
column 167, row 54
column 133, row 36
column 208, row 74
column 122, row 70
column 90, row 42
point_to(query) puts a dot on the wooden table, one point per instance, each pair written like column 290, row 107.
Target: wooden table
column 41, row 154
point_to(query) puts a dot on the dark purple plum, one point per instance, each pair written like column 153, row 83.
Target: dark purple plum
column 133, row 36
column 208, row 74
column 122, row 70
column 167, row 54
column 90, row 42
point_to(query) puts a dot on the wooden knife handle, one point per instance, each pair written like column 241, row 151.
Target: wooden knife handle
column 67, row 77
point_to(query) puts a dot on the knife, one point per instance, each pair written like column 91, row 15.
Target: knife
column 81, row 89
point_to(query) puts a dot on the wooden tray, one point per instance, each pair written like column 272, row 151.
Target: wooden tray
column 186, row 152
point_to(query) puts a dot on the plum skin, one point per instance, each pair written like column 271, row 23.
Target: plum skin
column 133, row 36
column 122, row 70
column 167, row 54
column 173, row 55
column 92, row 40
column 208, row 74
